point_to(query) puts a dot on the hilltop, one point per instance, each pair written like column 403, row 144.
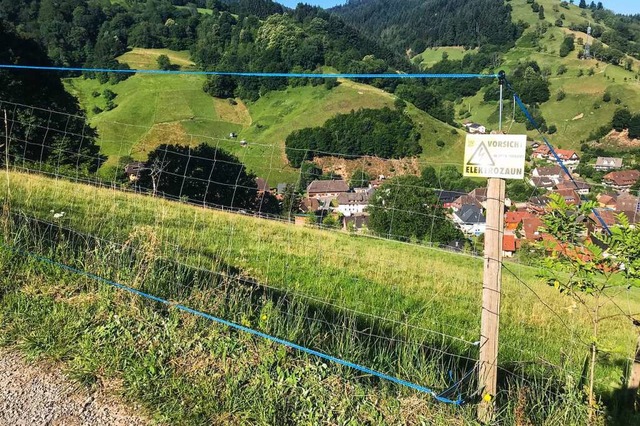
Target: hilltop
column 577, row 107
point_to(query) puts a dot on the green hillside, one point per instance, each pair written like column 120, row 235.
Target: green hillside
column 155, row 109
column 583, row 110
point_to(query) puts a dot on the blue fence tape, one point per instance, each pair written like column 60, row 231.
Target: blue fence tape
column 292, row 345
column 244, row 74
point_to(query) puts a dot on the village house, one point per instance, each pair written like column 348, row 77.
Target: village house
column 531, row 228
column 555, row 173
column 475, row 128
column 263, row 186
column 607, row 200
column 477, row 197
column 626, row 202
column 541, row 152
column 621, row 180
column 350, row 203
column 356, row 221
column 470, row 220
column 604, row 164
column 569, row 157
column 537, row 205
column 132, row 170
column 480, row 194
column 311, row 205
column 327, row 188
column 601, row 220
column 465, row 200
column 570, row 196
column 509, row 245
column 582, row 188
column 446, row 198
column 512, row 220
column 543, row 182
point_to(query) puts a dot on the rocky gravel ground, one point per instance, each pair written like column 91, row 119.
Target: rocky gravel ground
column 38, row 394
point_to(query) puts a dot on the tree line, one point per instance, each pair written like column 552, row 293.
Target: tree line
column 384, row 133
column 418, row 24
column 36, row 137
column 204, row 175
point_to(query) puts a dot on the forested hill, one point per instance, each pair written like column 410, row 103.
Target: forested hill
column 418, row 24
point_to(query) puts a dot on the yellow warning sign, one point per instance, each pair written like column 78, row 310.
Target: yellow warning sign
column 495, row 156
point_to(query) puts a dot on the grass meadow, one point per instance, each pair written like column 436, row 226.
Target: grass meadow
column 404, row 309
column 155, row 109
column 583, row 110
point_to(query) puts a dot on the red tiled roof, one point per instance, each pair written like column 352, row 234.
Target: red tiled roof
column 627, row 202
column 606, row 199
column 606, row 216
column 509, row 243
column 541, row 150
column 565, row 154
column 516, row 217
column 577, row 184
column 530, row 227
column 623, row 178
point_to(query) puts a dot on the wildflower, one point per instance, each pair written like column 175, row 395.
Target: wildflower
column 263, row 317
column 58, row 215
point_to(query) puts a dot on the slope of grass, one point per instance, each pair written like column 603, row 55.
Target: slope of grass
column 583, row 94
column 201, row 10
column 434, row 55
column 155, row 109
column 146, row 59
column 412, row 284
column 315, row 279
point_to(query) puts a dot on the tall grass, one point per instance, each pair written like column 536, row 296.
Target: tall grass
column 187, row 370
column 402, row 309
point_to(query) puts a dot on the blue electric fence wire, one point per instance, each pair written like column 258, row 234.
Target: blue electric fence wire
column 244, row 74
column 533, row 122
column 419, row 388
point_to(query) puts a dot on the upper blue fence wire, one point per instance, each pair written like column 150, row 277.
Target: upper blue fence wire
column 244, row 74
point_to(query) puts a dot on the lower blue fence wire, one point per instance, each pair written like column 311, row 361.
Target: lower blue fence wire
column 419, row 388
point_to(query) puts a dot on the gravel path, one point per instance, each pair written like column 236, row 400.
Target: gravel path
column 32, row 394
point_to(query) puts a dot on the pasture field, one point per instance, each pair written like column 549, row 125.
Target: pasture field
column 426, row 297
column 434, row 55
column 155, row 109
column 584, row 83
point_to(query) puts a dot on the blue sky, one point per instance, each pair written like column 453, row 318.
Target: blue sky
column 620, row 6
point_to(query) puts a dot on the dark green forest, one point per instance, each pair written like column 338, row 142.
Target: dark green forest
column 27, row 98
column 382, row 133
column 418, row 24
column 204, row 174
